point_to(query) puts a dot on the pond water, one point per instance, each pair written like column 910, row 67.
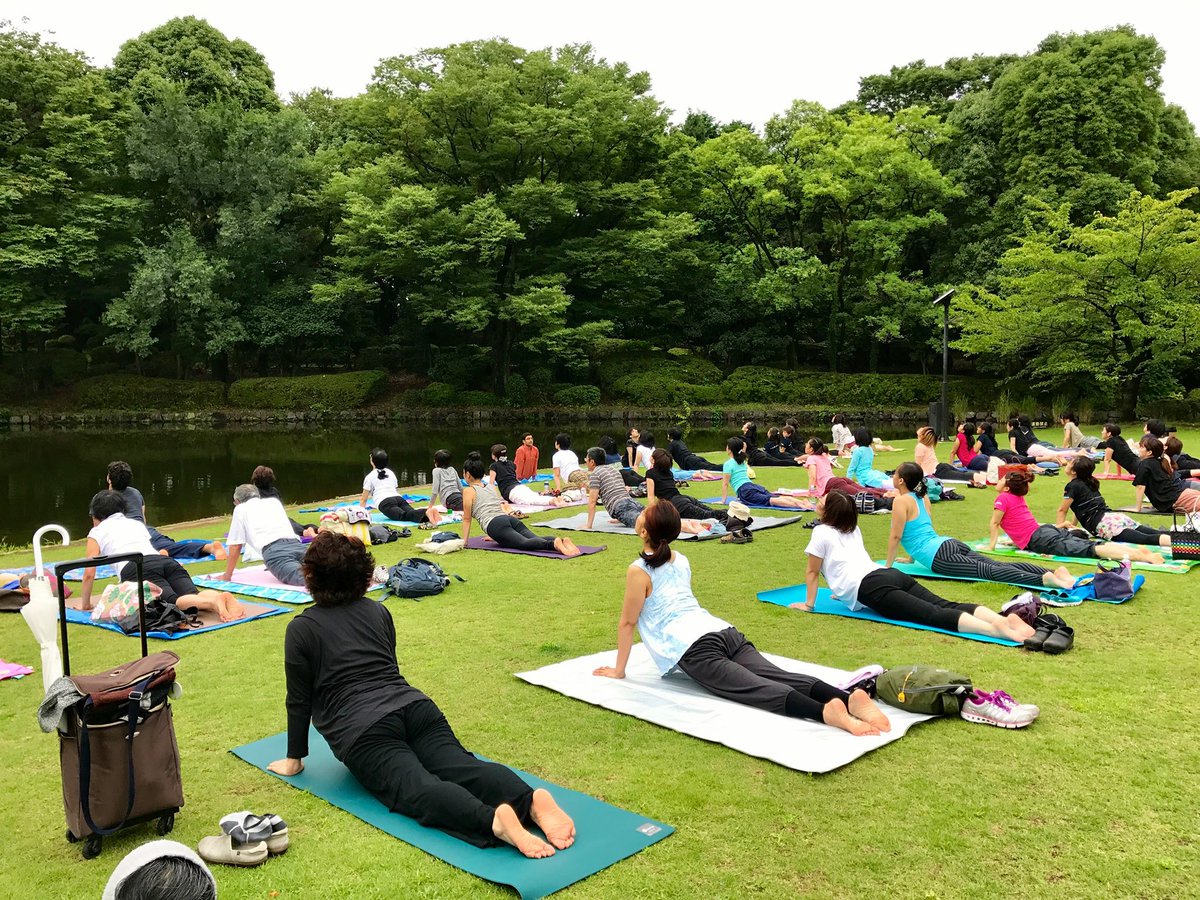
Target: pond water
column 50, row 476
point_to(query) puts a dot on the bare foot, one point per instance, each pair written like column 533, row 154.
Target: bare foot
column 863, row 707
column 566, row 547
column 508, row 828
column 230, row 608
column 1060, row 577
column 310, row 532
column 836, row 714
column 548, row 816
column 433, row 515
column 218, row 550
column 1015, row 628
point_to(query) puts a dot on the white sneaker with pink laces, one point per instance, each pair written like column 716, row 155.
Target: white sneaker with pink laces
column 999, row 709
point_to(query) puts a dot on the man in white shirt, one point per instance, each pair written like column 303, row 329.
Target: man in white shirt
column 262, row 524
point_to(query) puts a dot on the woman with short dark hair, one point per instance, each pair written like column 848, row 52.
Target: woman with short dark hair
column 343, row 676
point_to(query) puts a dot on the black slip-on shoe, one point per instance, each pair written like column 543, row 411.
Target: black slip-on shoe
column 1044, row 627
column 1060, row 641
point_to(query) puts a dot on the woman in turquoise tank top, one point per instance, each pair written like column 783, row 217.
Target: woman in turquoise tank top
column 913, row 527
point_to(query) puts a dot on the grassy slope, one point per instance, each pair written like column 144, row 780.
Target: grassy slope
column 1096, row 799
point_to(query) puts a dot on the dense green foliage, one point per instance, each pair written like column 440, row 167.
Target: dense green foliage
column 521, row 221
column 131, row 392
column 344, row 390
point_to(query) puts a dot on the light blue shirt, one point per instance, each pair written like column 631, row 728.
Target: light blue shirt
column 737, row 473
column 862, row 460
column 671, row 619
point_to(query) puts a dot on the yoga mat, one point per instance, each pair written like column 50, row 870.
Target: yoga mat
column 481, row 543
column 604, row 834
column 285, row 594
column 448, row 518
column 260, row 577
column 826, row 605
column 13, row 670
column 1115, row 477
column 696, row 475
column 1059, row 597
column 603, row 524
column 254, row 612
column 103, row 572
column 411, row 498
column 1144, row 511
column 1175, row 567
column 531, row 509
column 716, row 501
column 916, row 570
column 678, row 703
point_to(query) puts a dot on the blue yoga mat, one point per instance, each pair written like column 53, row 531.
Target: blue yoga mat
column 103, row 572
column 604, row 834
column 411, row 498
column 79, row 617
column 1077, row 594
column 826, row 605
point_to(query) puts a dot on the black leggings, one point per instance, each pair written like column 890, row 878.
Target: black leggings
column 726, row 664
column 509, row 532
column 699, row 464
column 895, row 595
column 400, row 510
column 956, row 560
column 760, row 458
column 691, row 508
column 170, row 576
column 632, row 478
column 1143, row 534
column 412, row 761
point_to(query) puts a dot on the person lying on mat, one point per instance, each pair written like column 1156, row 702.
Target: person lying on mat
column 616, row 460
column 660, row 485
column 756, row 456
column 605, row 486
column 446, row 488
column 843, row 440
column 836, row 552
column 1116, row 450
column 862, row 462
column 1011, row 514
column 1023, row 442
column 120, row 478
column 1072, row 436
column 680, row 634
column 925, row 455
column 685, row 458
column 642, row 452
column 503, row 474
column 482, row 503
column 737, row 480
column 339, row 657
column 261, row 523
column 1154, row 480
column 913, row 527
column 113, row 534
column 775, row 448
column 564, row 461
column 382, row 488
column 1084, row 502
column 263, row 478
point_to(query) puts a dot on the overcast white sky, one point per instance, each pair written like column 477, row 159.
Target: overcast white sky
column 737, row 60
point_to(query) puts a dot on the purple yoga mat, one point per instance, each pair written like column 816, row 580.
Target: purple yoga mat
column 479, row 543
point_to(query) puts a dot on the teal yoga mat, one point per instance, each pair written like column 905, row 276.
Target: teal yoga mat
column 604, row 834
column 826, row 605
column 916, row 570
column 1174, row 566
column 1072, row 597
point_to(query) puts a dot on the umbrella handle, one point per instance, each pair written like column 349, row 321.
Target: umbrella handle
column 38, row 567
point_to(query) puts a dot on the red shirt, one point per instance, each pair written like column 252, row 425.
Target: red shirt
column 527, row 462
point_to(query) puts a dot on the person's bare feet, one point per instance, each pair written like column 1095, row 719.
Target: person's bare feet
column 566, row 547
column 230, row 608
column 508, row 828
column 433, row 515
column 1015, row 628
column 1059, row 577
column 862, row 707
column 549, row 816
column 310, row 532
column 836, row 714
column 218, row 550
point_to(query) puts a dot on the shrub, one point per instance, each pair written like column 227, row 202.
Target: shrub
column 133, row 392
column 678, row 365
column 760, row 384
column 659, row 389
column 462, row 366
column 344, row 390
column 578, row 395
column 516, row 391
column 437, row 393
column 474, row 399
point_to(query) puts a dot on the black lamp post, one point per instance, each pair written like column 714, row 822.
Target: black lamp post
column 943, row 423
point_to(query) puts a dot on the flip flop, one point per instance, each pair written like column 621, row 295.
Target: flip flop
column 221, row 849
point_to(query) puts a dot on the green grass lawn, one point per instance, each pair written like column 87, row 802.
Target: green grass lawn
column 1096, row 799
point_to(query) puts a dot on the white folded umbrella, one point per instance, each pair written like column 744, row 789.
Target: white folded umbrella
column 41, row 612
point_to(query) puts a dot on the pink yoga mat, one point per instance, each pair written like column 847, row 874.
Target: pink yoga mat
column 260, row 576
column 480, row 543
column 13, row 670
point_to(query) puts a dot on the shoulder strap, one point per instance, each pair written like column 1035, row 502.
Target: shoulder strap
column 85, row 759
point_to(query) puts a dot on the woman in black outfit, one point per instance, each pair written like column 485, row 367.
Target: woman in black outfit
column 755, row 455
column 342, row 675
column 685, row 458
column 660, row 485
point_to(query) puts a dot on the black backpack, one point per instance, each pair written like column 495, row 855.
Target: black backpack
column 385, row 534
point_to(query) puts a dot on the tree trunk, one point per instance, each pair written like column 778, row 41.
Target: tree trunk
column 1131, row 388
column 501, row 352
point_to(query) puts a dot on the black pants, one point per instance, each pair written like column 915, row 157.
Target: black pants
column 411, row 760
column 509, row 532
column 957, row 560
column 1143, row 534
column 895, row 595
column 175, row 549
column 947, row 472
column 164, row 572
column 699, row 464
column 297, row 528
column 726, row 664
column 632, row 478
column 691, row 508
column 454, row 502
column 760, row 458
column 400, row 510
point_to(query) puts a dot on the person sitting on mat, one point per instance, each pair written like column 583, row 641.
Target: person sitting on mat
column 966, row 449
column 1116, row 450
column 261, row 523
column 382, row 488
column 1011, row 514
column 787, row 438
column 843, row 440
column 926, row 456
column 120, row 478
column 526, row 460
column 774, row 447
column 913, row 527
column 660, row 485
column 113, row 534
column 756, row 456
column 343, row 676
column 737, row 480
column 503, row 475
column 482, row 502
column 836, row 552
column 1154, row 480
column 1082, row 500
column 445, row 488
column 862, row 462
column 681, row 634
column 1073, row 438
column 685, row 458
column 263, row 478
column 564, row 461
column 643, row 451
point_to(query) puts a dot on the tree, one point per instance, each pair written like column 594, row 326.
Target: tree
column 1106, row 305
column 937, row 88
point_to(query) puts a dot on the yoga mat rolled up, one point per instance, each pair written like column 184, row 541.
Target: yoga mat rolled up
column 604, row 834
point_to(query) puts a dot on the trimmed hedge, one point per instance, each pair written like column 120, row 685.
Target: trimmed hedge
column 675, row 365
column 760, row 384
column 344, row 390
column 134, row 392
column 578, row 395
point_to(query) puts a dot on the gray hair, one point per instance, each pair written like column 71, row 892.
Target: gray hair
column 168, row 878
column 244, row 492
